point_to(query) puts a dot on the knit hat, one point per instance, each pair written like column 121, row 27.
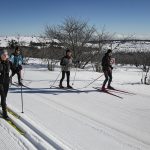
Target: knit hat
column 3, row 51
column 17, row 49
column 109, row 51
column 68, row 50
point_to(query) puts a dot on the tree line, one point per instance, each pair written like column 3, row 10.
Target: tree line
column 87, row 43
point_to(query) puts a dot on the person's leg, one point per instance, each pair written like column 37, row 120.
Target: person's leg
column 110, row 79
column 106, row 79
column 13, row 69
column 68, row 79
column 6, row 87
column 13, row 72
column 19, row 78
column 3, row 101
column 63, row 76
column 19, row 68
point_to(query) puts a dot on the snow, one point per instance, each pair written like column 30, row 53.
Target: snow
column 10, row 139
column 82, row 119
column 126, row 47
column 24, row 40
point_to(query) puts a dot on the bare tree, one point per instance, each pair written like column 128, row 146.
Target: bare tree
column 73, row 34
column 51, row 51
column 103, row 39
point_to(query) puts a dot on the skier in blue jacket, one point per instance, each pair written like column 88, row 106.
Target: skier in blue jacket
column 16, row 60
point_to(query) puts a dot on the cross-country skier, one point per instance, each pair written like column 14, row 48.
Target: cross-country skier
column 107, row 69
column 4, row 80
column 66, row 63
column 16, row 60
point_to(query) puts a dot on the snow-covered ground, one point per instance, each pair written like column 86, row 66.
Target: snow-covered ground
column 25, row 39
column 82, row 119
column 128, row 46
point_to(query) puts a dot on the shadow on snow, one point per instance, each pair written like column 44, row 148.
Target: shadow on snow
column 54, row 91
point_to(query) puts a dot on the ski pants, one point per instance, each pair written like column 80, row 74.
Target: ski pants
column 17, row 71
column 63, row 76
column 3, row 92
column 108, row 77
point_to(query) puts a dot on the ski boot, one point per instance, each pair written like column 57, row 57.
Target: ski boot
column 60, row 86
column 5, row 116
column 69, row 87
column 110, row 87
column 20, row 83
column 103, row 89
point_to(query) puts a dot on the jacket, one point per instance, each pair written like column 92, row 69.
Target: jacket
column 66, row 63
column 4, row 72
column 106, row 63
column 16, row 60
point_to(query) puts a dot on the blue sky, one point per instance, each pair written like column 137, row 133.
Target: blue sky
column 28, row 17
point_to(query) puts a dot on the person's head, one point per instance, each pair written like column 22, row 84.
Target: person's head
column 68, row 52
column 109, row 52
column 17, row 50
column 3, row 55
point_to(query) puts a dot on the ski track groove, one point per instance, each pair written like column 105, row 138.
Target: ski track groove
column 38, row 136
column 97, row 122
column 33, row 139
column 21, row 143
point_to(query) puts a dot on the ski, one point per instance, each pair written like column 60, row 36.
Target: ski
column 13, row 113
column 65, row 88
column 121, row 91
column 16, row 84
column 108, row 92
column 26, row 87
column 13, row 124
column 118, row 90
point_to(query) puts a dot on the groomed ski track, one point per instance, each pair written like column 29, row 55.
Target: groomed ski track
column 32, row 137
column 81, row 120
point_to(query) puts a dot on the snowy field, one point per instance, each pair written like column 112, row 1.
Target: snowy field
column 128, row 46
column 79, row 119
column 23, row 39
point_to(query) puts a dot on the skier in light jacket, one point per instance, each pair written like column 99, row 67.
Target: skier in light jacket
column 66, row 63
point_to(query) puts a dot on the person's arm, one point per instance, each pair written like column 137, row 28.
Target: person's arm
column 1, row 67
column 11, row 59
column 105, row 62
column 20, row 61
column 110, row 65
column 61, row 61
column 70, row 62
column 64, row 61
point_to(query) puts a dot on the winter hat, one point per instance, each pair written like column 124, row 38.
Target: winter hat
column 109, row 51
column 68, row 50
column 3, row 51
column 17, row 48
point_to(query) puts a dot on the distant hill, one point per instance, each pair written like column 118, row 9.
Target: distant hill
column 116, row 44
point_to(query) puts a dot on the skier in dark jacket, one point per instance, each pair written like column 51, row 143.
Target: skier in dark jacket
column 66, row 63
column 107, row 69
column 4, row 80
column 16, row 60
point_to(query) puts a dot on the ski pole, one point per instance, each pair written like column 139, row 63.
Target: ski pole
column 93, row 81
column 74, row 76
column 22, row 99
column 55, row 80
